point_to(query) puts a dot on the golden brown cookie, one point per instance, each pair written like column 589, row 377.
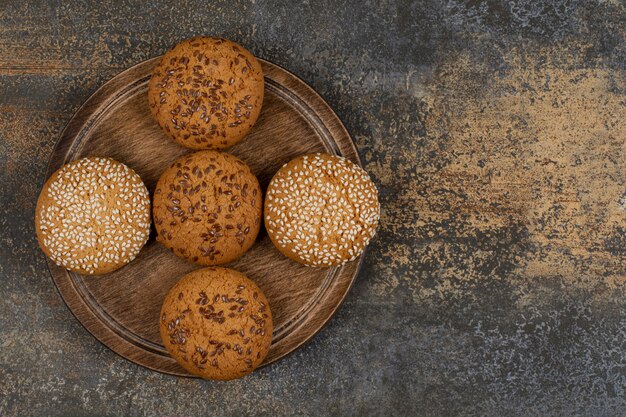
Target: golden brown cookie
column 207, row 207
column 93, row 216
column 216, row 323
column 321, row 210
column 206, row 93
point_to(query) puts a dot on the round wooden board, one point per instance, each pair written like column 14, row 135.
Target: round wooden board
column 121, row 309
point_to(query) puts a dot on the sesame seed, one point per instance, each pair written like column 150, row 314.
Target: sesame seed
column 322, row 208
column 80, row 222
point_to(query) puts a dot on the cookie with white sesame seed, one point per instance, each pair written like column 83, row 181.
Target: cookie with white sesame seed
column 216, row 323
column 207, row 207
column 206, row 93
column 93, row 216
column 321, row 210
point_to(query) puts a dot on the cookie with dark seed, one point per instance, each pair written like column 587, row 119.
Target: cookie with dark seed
column 206, row 93
column 207, row 207
column 216, row 323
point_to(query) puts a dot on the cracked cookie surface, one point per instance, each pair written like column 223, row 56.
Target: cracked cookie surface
column 207, row 207
column 216, row 323
column 93, row 216
column 206, row 93
column 321, row 210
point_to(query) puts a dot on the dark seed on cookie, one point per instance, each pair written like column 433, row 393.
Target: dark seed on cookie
column 197, row 212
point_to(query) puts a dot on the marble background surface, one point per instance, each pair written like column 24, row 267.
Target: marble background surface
column 495, row 133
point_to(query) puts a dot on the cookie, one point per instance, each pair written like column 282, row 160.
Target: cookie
column 93, row 216
column 216, row 323
column 206, row 93
column 321, row 210
column 208, row 207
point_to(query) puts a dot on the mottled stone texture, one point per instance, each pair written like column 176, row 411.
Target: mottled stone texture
column 495, row 132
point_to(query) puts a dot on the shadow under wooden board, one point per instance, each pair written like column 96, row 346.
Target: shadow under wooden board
column 121, row 309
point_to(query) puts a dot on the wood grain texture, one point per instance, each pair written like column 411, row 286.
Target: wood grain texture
column 121, row 309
